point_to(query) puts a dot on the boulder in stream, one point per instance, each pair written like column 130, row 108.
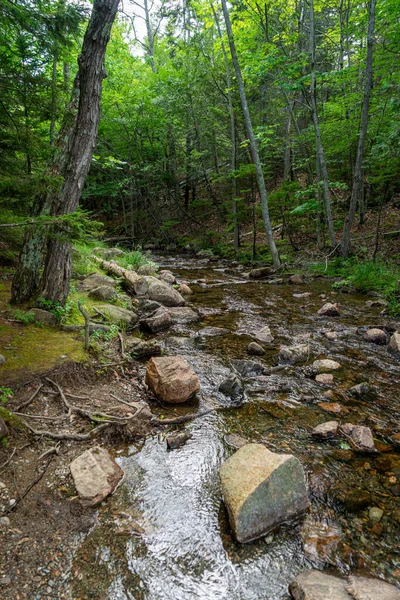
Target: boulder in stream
column 394, row 344
column 147, row 270
column 326, row 431
column 326, row 364
column 366, row 588
column 167, row 276
column 317, row 585
column 183, row 314
column 261, row 489
column 261, row 272
column 376, row 336
column 142, row 348
column 95, row 475
column 329, row 310
column 297, row 279
column 248, row 368
column 158, row 321
column 185, row 290
column 255, row 349
column 264, row 335
column 359, row 390
column 177, row 439
column 291, row 355
column 171, row 379
column 360, row 437
column 232, row 386
column 154, row 289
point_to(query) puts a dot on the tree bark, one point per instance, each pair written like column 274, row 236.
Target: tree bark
column 358, row 169
column 253, row 144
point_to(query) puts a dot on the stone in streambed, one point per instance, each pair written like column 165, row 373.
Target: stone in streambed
column 261, row 489
column 261, row 273
column 255, row 349
column 232, row 386
column 326, row 431
column 321, row 541
column 394, row 344
column 147, row 270
column 265, row 335
column 158, row 321
column 317, row 585
column 291, row 355
column 95, row 475
column 185, row 290
column 171, row 379
column 375, row 514
column 183, row 314
column 297, row 279
column 248, row 368
column 333, row 407
column 167, row 277
column 329, row 310
column 176, row 440
column 360, row 437
column 142, row 348
column 366, row 588
column 154, row 289
column 325, row 378
column 376, row 336
column 359, row 390
column 326, row 364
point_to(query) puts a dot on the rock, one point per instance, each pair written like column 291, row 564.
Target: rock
column 167, row 277
column 44, row 316
column 379, row 303
column 394, row 344
column 108, row 253
column 326, row 364
column 331, row 335
column 260, row 273
column 326, row 431
column 235, row 440
column 157, row 290
column 276, row 281
column 145, row 348
column 359, row 390
column 376, row 336
column 248, row 368
column 183, row 314
column 317, row 585
column 147, row 270
column 291, row 355
column 366, row 588
column 360, row 437
column 375, row 514
column 255, row 349
column 4, row 523
column 95, row 475
column 176, row 440
column 264, row 335
column 159, row 321
column 3, row 360
column 97, row 280
column 353, row 499
column 171, row 379
column 204, row 254
column 103, row 292
column 118, row 315
column 211, row 332
column 325, row 378
column 261, row 489
column 297, row 279
column 332, row 407
column 320, row 540
column 185, row 290
column 302, row 295
column 148, row 307
column 232, row 386
column 3, row 429
column 329, row 310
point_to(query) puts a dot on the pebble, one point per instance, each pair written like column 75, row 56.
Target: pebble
column 4, row 522
column 375, row 514
column 12, row 501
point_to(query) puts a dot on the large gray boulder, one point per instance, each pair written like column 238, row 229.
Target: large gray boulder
column 316, row 585
column 261, row 489
column 95, row 475
column 154, row 289
column 118, row 315
column 44, row 316
column 167, row 276
column 171, row 379
column 96, row 280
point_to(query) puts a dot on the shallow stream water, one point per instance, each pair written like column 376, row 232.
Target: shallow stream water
column 183, row 548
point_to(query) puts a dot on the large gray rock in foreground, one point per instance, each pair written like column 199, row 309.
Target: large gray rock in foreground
column 261, row 489
column 95, row 475
column 157, row 290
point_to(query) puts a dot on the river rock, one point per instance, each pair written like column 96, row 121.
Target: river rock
column 185, row 290
column 317, row 585
column 378, row 303
column 261, row 489
column 211, row 332
column 394, row 344
column 3, row 429
column 333, row 407
column 320, row 540
column 95, row 475
column 326, row 431
column 326, row 364
column 148, row 307
column 376, row 336
column 167, row 277
column 103, row 292
column 366, row 588
column 97, row 280
column 143, row 348
column 118, row 315
column 235, row 440
column 329, row 310
column 276, row 281
column 260, row 273
column 375, row 514
column 255, row 349
column 232, row 386
column 158, row 321
column 147, row 270
column 359, row 390
column 297, row 279
column 325, row 378
column 178, row 439
column 302, row 295
column 157, row 290
column 3, row 360
column 248, row 368
column 331, row 335
column 291, row 355
column 44, row 316
column 183, row 314
column 171, row 379
column 360, row 437
column 264, row 335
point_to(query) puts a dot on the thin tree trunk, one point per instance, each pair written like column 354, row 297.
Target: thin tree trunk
column 358, row 169
column 53, row 97
column 287, row 153
column 150, row 36
column 318, row 139
column 253, row 145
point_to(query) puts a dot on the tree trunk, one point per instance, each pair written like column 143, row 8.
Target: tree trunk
column 358, row 169
column 318, row 140
column 253, row 145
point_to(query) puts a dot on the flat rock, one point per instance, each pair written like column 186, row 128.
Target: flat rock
column 3, row 429
column 291, row 355
column 103, row 292
column 95, row 475
column 264, row 335
column 211, row 332
column 276, row 281
column 235, row 441
column 394, row 344
column 261, row 489
column 317, row 585
column 44, row 316
column 96, row 280
column 171, row 379
column 326, row 431
column 302, row 295
column 360, row 437
column 325, row 378
column 118, row 315
column 260, row 273
column 255, row 349
column 376, row 336
column 333, row 407
column 157, row 290
column 366, row 588
column 183, row 314
column 158, row 321
column 326, row 364
column 329, row 310
column 248, row 368
column 145, row 348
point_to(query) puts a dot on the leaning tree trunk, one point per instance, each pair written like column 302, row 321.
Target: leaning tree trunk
column 253, row 144
column 54, row 285
column 358, row 169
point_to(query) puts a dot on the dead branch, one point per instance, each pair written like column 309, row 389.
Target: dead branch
column 87, row 324
column 55, row 450
column 74, row 437
column 31, row 399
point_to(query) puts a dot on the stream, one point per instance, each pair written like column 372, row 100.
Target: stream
column 182, row 548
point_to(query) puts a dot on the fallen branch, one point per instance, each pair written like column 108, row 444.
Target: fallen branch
column 31, row 399
column 128, row 277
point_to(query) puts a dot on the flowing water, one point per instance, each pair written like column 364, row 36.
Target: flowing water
column 182, row 547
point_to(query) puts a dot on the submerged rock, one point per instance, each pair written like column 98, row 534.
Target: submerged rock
column 176, row 440
column 291, row 355
column 332, row 407
column 376, row 336
column 171, row 379
column 235, row 440
column 320, row 540
column 261, row 489
column 264, row 335
column 211, row 332
column 329, row 310
column 360, row 437
column 255, row 349
column 232, row 386
column 317, row 585
column 157, row 290
column 302, row 295
column 326, row 431
column 95, row 475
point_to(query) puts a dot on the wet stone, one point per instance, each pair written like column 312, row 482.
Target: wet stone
column 185, row 290
column 326, row 364
column 176, row 440
column 248, row 368
column 326, row 431
column 333, row 407
column 329, row 310
column 291, row 355
column 302, row 295
column 212, row 332
column 375, row 514
column 171, row 379
column 360, row 437
column 255, row 349
column 359, row 390
column 145, row 348
column 366, row 588
column 394, row 344
column 264, row 335
column 159, row 321
column 376, row 336
column 235, row 440
column 325, row 378
column 232, row 386
column 318, row 585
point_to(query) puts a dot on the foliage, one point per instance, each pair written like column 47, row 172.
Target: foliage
column 5, row 394
column 23, row 316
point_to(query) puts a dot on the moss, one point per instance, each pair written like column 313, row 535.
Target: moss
column 11, row 419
